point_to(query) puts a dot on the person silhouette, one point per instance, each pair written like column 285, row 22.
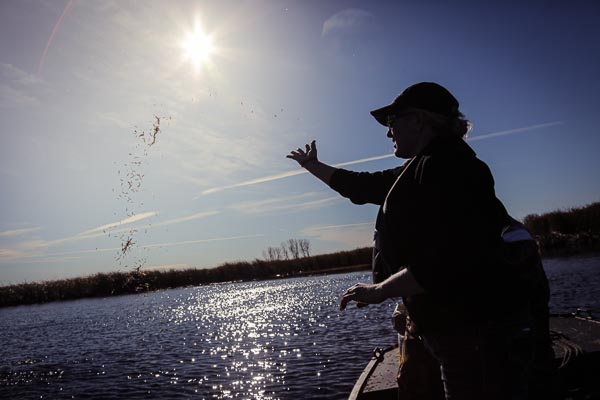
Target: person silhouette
column 444, row 243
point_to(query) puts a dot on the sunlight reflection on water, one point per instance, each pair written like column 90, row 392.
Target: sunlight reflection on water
column 254, row 330
column 262, row 340
column 267, row 340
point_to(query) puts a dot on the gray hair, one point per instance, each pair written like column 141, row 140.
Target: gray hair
column 457, row 125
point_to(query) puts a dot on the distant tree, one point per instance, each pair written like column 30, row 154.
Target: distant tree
column 304, row 247
column 292, row 249
column 285, row 255
column 574, row 221
column 280, row 253
column 273, row 253
column 293, row 246
column 267, row 255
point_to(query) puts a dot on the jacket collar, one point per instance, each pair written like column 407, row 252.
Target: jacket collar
column 448, row 145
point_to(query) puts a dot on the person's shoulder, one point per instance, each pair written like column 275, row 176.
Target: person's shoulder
column 459, row 162
column 396, row 170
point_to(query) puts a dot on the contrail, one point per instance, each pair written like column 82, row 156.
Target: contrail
column 51, row 38
column 320, row 228
column 253, row 181
column 18, row 232
column 363, row 160
column 129, row 220
column 96, row 232
column 284, row 175
column 513, row 131
column 8, row 253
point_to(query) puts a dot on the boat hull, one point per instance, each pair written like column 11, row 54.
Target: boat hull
column 576, row 343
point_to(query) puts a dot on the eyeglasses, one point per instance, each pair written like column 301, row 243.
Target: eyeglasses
column 392, row 118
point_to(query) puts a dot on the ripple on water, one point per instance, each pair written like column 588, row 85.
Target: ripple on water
column 282, row 339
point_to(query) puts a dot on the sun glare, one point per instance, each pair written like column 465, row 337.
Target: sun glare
column 197, row 47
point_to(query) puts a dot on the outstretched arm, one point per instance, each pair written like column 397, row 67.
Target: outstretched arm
column 308, row 160
column 402, row 283
column 359, row 187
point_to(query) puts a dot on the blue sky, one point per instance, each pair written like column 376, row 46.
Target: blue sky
column 78, row 78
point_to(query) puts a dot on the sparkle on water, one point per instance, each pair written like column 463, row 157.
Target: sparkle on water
column 266, row 340
column 283, row 339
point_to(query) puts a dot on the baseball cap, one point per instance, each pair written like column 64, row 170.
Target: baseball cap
column 424, row 95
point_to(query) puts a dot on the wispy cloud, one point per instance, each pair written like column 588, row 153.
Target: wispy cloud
column 95, row 232
column 113, row 119
column 128, row 220
column 39, row 248
column 346, row 21
column 18, row 232
column 148, row 226
column 81, row 252
column 363, row 160
column 309, row 205
column 19, row 255
column 250, row 207
column 320, row 228
column 10, row 254
column 207, row 137
column 29, row 250
column 16, row 87
column 217, row 239
column 348, row 235
column 293, row 203
column 187, row 218
column 9, row 72
column 11, row 97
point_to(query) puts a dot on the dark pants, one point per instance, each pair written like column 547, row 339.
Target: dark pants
column 491, row 361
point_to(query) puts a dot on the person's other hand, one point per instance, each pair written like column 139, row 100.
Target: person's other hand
column 363, row 294
column 304, row 156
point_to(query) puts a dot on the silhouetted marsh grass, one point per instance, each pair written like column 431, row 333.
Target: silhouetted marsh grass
column 119, row 283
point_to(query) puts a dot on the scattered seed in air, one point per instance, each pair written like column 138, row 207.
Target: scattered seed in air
column 131, row 179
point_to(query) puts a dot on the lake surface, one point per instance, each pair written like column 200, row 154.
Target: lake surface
column 281, row 339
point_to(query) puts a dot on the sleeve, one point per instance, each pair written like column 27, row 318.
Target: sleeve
column 364, row 187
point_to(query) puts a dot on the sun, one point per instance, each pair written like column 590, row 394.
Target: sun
column 197, row 47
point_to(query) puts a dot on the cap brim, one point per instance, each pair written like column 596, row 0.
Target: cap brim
column 381, row 114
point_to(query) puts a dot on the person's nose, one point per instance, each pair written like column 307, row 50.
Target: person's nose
column 389, row 133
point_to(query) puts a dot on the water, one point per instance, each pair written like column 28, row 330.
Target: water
column 281, row 339
column 574, row 282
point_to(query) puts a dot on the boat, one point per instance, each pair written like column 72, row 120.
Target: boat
column 576, row 344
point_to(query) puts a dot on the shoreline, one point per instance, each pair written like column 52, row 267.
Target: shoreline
column 143, row 281
column 144, row 290
column 137, row 282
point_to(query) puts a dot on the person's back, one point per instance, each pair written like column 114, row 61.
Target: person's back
column 523, row 252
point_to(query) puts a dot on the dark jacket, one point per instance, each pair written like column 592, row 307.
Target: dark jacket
column 440, row 218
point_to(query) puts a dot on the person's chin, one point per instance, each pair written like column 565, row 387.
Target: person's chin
column 398, row 153
column 404, row 152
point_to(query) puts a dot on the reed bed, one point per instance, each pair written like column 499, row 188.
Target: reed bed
column 136, row 281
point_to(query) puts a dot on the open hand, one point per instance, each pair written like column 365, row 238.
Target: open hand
column 363, row 294
column 304, row 156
